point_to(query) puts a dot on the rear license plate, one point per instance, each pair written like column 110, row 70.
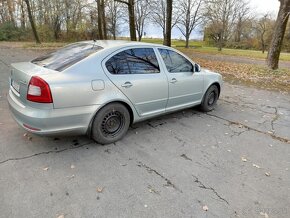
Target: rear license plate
column 15, row 85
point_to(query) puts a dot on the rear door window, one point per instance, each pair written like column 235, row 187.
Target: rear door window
column 134, row 61
column 175, row 62
column 67, row 56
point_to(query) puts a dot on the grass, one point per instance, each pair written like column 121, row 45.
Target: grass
column 248, row 74
column 198, row 46
column 195, row 46
column 44, row 45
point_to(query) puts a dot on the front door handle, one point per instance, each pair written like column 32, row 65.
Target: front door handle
column 173, row 80
column 127, row 85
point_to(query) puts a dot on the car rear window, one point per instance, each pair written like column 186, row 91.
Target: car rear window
column 66, row 56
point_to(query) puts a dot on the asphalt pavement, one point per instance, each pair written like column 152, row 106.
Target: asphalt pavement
column 231, row 162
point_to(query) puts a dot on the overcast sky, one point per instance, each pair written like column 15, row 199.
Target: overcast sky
column 259, row 7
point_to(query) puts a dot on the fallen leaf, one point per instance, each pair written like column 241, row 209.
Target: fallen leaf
column 72, row 166
column 61, row 216
column 264, row 214
column 244, row 159
column 271, row 145
column 46, row 168
column 145, row 205
column 71, row 177
column 205, row 208
column 152, row 190
column 100, row 189
column 229, row 151
column 255, row 165
column 267, row 174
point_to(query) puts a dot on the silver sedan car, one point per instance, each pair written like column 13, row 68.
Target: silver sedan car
column 99, row 88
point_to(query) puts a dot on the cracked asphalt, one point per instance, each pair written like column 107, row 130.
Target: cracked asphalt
column 234, row 160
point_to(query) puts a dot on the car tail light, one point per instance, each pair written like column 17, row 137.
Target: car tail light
column 39, row 91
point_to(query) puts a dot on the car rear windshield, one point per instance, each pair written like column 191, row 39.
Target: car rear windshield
column 66, row 56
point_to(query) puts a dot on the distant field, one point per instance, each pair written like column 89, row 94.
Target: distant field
column 195, row 46
column 198, row 46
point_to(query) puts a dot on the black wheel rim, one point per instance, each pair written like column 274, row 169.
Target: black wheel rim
column 211, row 98
column 112, row 123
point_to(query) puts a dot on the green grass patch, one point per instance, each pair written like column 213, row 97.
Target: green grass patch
column 239, row 52
column 44, row 45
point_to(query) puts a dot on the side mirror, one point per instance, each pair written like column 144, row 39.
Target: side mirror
column 196, row 68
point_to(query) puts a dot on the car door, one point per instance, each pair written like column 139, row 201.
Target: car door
column 137, row 74
column 185, row 85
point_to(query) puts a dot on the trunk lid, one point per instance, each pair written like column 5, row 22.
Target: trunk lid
column 21, row 74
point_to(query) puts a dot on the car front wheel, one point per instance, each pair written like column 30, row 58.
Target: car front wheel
column 111, row 123
column 210, row 98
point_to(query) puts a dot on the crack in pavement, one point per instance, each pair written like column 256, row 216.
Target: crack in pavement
column 246, row 105
column 44, row 152
column 201, row 185
column 274, row 119
column 150, row 170
column 281, row 139
column 7, row 65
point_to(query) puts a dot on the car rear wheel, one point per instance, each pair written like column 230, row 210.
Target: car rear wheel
column 210, row 98
column 111, row 123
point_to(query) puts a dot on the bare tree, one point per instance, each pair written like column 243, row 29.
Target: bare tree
column 190, row 17
column 131, row 11
column 114, row 13
column 159, row 14
column 141, row 15
column 221, row 16
column 32, row 22
column 278, row 35
column 264, row 28
column 243, row 16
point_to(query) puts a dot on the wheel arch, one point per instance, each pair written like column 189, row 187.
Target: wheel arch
column 211, row 84
column 130, row 110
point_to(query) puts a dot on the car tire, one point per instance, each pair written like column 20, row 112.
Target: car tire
column 111, row 123
column 210, row 99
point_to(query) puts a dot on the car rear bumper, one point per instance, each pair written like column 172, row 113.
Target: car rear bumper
column 75, row 120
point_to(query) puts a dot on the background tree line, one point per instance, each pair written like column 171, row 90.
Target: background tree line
column 224, row 23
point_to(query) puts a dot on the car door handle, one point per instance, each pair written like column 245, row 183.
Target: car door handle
column 127, row 85
column 173, row 80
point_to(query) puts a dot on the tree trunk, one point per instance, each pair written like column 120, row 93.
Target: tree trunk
column 100, row 24
column 187, row 41
column 11, row 9
column 32, row 22
column 22, row 15
column 167, row 39
column 278, row 35
column 140, row 36
column 132, row 20
column 104, row 20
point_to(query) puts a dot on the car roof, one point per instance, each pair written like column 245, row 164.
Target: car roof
column 118, row 43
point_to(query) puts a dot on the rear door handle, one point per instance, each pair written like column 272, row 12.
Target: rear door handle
column 127, row 85
column 173, row 80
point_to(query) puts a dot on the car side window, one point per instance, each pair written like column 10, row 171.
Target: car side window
column 134, row 61
column 175, row 62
